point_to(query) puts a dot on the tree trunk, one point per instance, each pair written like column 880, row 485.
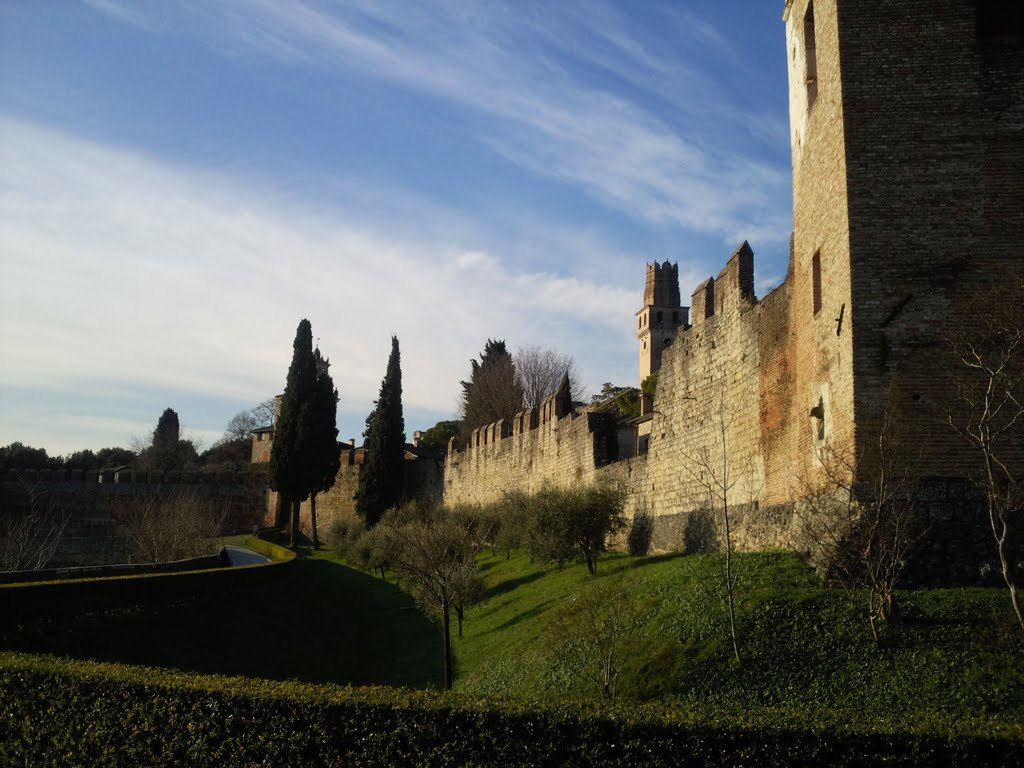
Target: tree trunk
column 312, row 520
column 293, row 538
column 1001, row 531
column 281, row 512
column 447, row 644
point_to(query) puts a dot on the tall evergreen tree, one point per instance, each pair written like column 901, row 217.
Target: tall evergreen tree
column 380, row 482
column 165, row 453
column 327, row 458
column 293, row 469
column 565, row 394
column 492, row 392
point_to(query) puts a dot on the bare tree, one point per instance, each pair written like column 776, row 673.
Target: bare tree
column 240, row 427
column 31, row 535
column 710, row 466
column 264, row 412
column 539, row 373
column 590, row 631
column 163, row 528
column 434, row 554
column 987, row 410
column 859, row 516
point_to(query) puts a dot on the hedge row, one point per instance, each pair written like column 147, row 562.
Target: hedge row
column 72, row 713
column 38, row 604
column 270, row 549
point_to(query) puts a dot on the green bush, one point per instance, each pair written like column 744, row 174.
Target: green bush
column 71, row 713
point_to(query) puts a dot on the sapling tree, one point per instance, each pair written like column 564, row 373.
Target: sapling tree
column 860, row 518
column 986, row 351
column 590, row 632
column 713, row 467
column 433, row 552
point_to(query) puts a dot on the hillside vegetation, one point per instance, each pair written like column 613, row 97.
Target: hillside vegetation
column 802, row 645
column 955, row 652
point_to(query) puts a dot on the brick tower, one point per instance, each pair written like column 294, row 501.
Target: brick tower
column 907, row 133
column 661, row 315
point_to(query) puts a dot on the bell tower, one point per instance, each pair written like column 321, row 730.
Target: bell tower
column 661, row 315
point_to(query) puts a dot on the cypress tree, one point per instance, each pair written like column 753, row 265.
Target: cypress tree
column 164, row 453
column 564, row 394
column 380, row 482
column 292, row 457
column 327, row 459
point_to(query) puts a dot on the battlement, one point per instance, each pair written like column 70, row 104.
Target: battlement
column 735, row 283
column 549, row 412
column 662, row 286
column 126, row 476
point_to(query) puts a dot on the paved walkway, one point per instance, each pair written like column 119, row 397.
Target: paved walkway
column 240, row 556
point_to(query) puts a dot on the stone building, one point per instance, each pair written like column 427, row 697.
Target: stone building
column 907, row 138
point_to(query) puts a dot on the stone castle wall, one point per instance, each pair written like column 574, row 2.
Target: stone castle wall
column 93, row 535
column 713, row 392
column 423, row 478
column 542, row 446
column 907, row 132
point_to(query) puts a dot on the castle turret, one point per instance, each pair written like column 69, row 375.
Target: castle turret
column 661, row 315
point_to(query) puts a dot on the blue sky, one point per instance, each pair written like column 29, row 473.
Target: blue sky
column 182, row 182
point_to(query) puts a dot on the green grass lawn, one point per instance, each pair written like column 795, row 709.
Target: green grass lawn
column 320, row 621
column 802, row 645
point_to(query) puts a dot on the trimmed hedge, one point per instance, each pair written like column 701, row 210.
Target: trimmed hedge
column 39, row 604
column 274, row 551
column 71, row 713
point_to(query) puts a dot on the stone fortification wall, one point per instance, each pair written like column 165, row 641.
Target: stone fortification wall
column 541, row 445
column 936, row 201
column 93, row 534
column 422, row 480
column 714, row 397
column 716, row 410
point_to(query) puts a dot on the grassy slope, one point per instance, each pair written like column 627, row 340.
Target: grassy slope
column 319, row 622
column 802, row 645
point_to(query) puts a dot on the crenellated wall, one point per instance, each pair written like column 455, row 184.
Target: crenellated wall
column 725, row 388
column 546, row 444
column 907, row 142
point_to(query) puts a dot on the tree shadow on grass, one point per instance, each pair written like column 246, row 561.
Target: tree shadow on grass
column 537, row 610
column 652, row 559
column 508, row 586
column 317, row 621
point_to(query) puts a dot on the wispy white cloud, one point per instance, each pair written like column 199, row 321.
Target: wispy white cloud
column 120, row 266
column 122, row 12
column 514, row 66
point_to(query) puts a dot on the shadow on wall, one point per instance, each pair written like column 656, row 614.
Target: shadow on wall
column 699, row 534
